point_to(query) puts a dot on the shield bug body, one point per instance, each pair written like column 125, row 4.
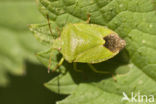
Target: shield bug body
column 87, row 43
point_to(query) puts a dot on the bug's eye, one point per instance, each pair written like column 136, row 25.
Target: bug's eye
column 114, row 42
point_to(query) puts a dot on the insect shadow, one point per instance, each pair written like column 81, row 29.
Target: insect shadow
column 87, row 76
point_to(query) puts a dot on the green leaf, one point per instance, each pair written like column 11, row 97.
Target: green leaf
column 43, row 34
column 134, row 21
column 92, row 95
column 65, row 86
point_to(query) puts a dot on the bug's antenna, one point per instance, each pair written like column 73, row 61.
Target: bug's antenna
column 49, row 24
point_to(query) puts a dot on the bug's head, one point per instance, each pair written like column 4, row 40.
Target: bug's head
column 114, row 43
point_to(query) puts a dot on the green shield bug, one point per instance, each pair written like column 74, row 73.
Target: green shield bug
column 87, row 43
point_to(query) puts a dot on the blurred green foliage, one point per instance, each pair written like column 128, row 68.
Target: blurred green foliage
column 16, row 42
column 21, row 75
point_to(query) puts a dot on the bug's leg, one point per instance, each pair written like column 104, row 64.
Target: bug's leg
column 59, row 64
column 114, row 78
column 49, row 65
column 49, row 24
column 97, row 71
column 75, row 67
column 59, row 31
column 88, row 20
column 102, row 72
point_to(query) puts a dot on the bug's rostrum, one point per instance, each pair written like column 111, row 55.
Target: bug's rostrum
column 114, row 42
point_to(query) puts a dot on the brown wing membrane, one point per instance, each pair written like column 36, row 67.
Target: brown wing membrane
column 114, row 43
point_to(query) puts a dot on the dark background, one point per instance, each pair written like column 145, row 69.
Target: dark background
column 29, row 89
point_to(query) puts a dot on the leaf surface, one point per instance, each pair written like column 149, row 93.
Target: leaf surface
column 134, row 21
